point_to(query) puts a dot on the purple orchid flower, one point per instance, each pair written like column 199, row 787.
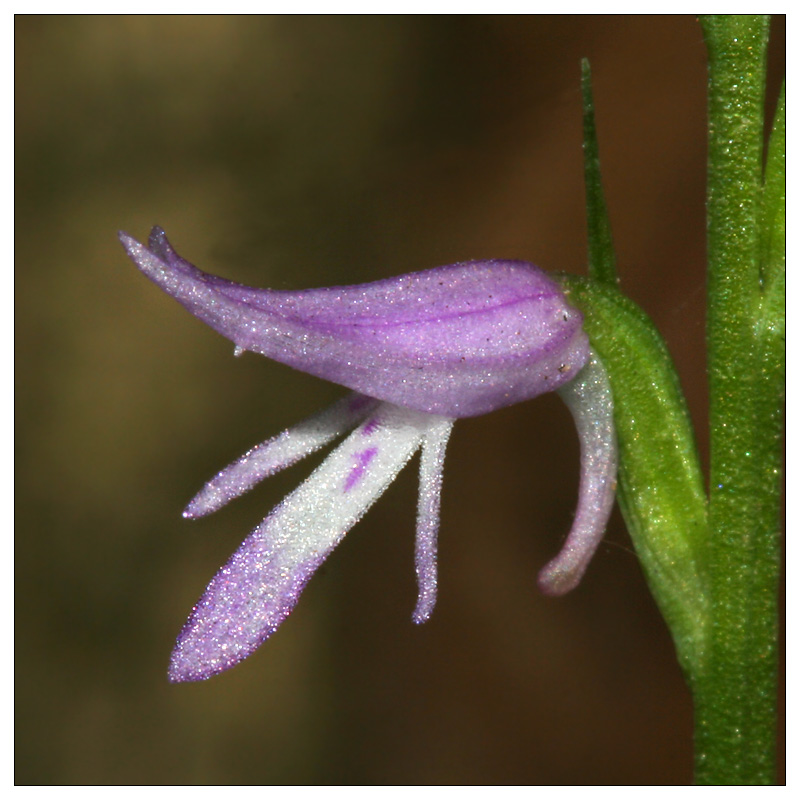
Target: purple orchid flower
column 418, row 351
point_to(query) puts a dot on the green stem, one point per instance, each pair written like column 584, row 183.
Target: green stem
column 735, row 693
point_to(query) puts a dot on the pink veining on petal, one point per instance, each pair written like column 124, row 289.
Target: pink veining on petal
column 370, row 426
column 362, row 460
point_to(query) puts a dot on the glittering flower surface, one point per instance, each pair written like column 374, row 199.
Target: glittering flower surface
column 460, row 340
column 419, row 351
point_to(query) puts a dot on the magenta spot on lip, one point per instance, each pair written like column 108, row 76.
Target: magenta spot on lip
column 370, row 427
column 362, row 460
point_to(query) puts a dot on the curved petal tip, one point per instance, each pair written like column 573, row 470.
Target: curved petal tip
column 590, row 400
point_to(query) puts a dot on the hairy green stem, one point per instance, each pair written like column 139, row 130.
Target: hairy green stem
column 712, row 562
column 735, row 693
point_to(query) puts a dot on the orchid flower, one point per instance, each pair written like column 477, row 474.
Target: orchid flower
column 418, row 351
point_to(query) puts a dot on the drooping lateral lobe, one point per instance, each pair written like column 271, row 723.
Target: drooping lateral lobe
column 589, row 399
column 256, row 590
column 458, row 341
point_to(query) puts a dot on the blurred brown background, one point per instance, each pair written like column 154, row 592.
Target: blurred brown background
column 303, row 151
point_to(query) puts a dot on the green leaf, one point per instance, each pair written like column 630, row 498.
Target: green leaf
column 602, row 263
column 660, row 481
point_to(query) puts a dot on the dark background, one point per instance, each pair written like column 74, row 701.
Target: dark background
column 303, row 151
